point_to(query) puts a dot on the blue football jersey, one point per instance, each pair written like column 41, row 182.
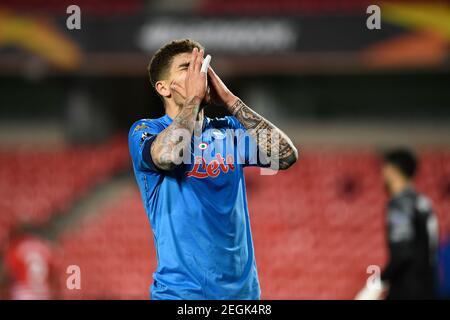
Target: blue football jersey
column 198, row 212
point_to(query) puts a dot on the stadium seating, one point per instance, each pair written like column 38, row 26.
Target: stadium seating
column 316, row 229
column 114, row 251
column 36, row 185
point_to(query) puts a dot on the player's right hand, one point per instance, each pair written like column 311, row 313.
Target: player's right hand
column 196, row 81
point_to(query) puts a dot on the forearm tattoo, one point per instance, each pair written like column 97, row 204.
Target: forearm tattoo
column 269, row 138
column 169, row 146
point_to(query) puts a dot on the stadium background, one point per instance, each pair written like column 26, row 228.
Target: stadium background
column 341, row 91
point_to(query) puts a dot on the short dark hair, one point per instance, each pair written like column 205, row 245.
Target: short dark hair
column 403, row 159
column 162, row 59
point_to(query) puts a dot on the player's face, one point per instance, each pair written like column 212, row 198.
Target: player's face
column 389, row 173
column 178, row 71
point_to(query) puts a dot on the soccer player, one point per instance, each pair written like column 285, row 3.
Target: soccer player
column 412, row 234
column 29, row 265
column 189, row 169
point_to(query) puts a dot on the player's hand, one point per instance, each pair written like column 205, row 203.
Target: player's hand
column 372, row 293
column 196, row 82
column 178, row 88
column 181, row 91
column 219, row 93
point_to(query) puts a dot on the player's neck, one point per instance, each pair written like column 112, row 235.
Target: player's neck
column 399, row 186
column 172, row 110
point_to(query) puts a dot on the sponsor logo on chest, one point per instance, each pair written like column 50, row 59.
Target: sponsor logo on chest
column 201, row 169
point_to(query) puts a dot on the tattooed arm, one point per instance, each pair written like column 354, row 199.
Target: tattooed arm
column 168, row 148
column 268, row 137
column 258, row 127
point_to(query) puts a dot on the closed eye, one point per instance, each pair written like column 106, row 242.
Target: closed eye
column 183, row 66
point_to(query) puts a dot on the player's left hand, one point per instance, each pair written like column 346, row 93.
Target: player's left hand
column 219, row 93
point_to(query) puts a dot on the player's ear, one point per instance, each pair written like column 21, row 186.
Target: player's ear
column 162, row 88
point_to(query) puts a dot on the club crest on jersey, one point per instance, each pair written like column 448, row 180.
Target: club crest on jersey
column 213, row 169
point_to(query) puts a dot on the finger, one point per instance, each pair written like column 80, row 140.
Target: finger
column 211, row 70
column 205, row 64
column 213, row 74
column 192, row 60
column 177, row 88
column 194, row 66
column 198, row 62
column 213, row 77
column 174, row 83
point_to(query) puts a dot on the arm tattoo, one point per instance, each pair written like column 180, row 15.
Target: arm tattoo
column 168, row 148
column 269, row 138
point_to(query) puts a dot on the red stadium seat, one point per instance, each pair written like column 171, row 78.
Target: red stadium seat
column 35, row 185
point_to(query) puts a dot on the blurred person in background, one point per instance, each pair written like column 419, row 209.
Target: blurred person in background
column 412, row 235
column 28, row 266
